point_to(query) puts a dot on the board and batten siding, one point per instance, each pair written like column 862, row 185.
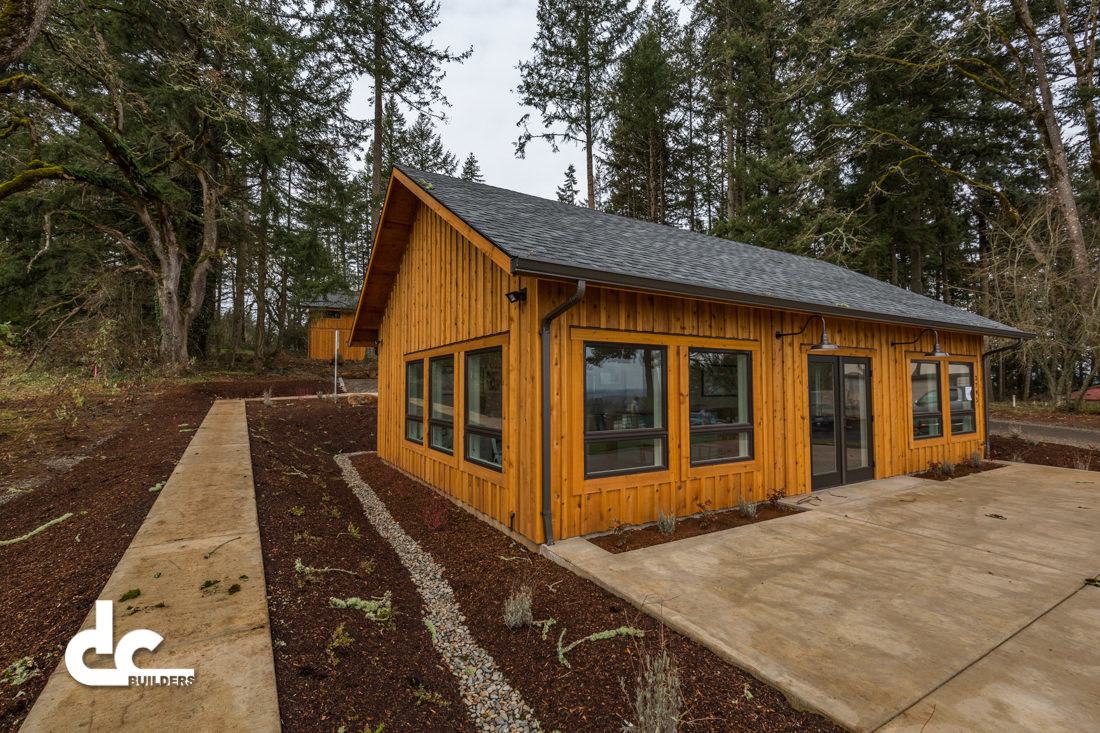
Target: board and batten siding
column 448, row 297
column 780, row 401
column 322, row 335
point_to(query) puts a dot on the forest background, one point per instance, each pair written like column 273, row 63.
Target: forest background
column 178, row 177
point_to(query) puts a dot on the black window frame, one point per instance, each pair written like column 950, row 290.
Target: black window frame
column 603, row 436
column 467, row 428
column 747, row 427
column 415, row 418
column 973, row 411
column 939, row 400
column 436, row 421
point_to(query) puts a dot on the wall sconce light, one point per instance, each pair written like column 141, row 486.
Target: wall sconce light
column 822, row 345
column 517, row 296
column 936, row 350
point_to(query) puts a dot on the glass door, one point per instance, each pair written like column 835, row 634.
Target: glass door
column 840, row 420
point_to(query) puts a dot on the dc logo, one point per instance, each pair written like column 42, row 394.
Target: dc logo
column 101, row 638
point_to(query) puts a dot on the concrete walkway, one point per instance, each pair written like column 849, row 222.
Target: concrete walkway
column 201, row 528
column 901, row 605
column 1042, row 432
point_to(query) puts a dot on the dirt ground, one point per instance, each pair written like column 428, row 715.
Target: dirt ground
column 1089, row 418
column 130, row 443
column 1044, row 454
column 635, row 538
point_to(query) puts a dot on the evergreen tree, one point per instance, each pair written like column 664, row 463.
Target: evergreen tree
column 471, row 171
column 567, row 191
column 575, row 53
column 423, row 148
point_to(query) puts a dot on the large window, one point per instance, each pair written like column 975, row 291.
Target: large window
column 625, row 425
column 927, row 407
column 414, row 401
column 484, row 375
column 720, row 404
column 441, row 415
column 960, row 391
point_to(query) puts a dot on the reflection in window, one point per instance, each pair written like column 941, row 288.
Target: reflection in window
column 484, row 406
column 960, row 391
column 414, row 401
column 625, row 430
column 927, row 410
column 441, row 382
column 720, row 406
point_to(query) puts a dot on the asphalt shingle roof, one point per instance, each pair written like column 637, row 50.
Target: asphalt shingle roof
column 544, row 237
column 342, row 301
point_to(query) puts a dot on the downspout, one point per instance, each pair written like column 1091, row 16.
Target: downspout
column 544, row 335
column 985, row 387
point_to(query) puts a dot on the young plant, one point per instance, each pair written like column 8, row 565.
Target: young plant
column 976, row 459
column 268, row 402
column 775, row 496
column 746, row 508
column 707, row 516
column 622, row 532
column 658, row 702
column 947, row 468
column 340, row 638
column 666, row 523
column 517, row 608
column 379, row 610
column 435, row 512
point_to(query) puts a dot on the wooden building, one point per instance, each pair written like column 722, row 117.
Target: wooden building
column 328, row 316
column 560, row 369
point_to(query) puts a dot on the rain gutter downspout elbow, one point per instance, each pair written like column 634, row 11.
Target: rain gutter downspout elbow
column 544, row 335
column 985, row 388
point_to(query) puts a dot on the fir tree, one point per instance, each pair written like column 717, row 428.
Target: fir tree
column 471, row 171
column 567, row 191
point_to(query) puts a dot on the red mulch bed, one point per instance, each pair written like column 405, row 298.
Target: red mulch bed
column 1044, row 454
column 961, row 469
column 688, row 527
column 389, row 675
column 52, row 579
column 483, row 565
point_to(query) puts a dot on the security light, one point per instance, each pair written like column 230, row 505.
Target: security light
column 516, row 296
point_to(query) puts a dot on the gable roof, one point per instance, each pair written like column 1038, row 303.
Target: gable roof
column 547, row 238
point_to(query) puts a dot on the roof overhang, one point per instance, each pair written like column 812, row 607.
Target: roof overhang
column 554, row 271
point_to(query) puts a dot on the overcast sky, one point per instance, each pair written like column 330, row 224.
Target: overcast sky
column 485, row 109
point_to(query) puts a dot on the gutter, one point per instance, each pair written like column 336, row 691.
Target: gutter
column 985, row 382
column 544, row 335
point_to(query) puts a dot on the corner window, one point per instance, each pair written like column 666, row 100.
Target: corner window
column 927, row 408
column 441, row 415
column 720, row 405
column 625, row 425
column 414, row 401
column 484, row 376
column 332, row 314
column 960, row 391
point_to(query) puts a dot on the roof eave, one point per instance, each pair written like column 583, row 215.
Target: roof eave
column 535, row 268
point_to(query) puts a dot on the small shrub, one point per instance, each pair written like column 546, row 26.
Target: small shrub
column 622, row 532
column 775, row 496
column 747, row 509
column 666, row 523
column 376, row 609
column 947, row 468
column 707, row 515
column 658, row 701
column 517, row 608
column 268, row 402
column 976, row 459
column 340, row 638
column 435, row 512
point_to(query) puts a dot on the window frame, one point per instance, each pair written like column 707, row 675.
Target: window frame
column 744, row 427
column 939, row 401
column 467, row 428
column 973, row 411
column 415, row 418
column 604, row 436
column 437, row 421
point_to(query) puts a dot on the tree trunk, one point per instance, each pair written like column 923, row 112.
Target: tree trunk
column 261, row 267
column 20, row 22
column 376, row 144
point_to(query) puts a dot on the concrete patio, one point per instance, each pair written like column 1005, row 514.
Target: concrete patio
column 900, row 604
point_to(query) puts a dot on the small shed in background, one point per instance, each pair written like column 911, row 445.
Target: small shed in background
column 328, row 315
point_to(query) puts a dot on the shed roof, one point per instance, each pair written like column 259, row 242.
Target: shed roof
column 335, row 301
column 550, row 239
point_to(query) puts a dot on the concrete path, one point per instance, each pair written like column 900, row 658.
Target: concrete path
column 1046, row 432
column 900, row 604
column 201, row 528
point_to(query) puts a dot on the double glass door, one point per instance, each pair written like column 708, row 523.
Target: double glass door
column 840, row 420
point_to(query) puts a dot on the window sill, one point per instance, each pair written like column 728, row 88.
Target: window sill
column 642, row 477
